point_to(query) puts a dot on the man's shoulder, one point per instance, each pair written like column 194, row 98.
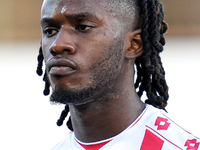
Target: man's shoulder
column 159, row 121
column 163, row 130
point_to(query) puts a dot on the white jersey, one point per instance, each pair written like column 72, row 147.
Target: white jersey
column 152, row 130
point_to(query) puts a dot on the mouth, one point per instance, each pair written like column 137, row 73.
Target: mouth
column 60, row 67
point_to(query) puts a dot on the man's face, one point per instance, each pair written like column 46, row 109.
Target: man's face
column 82, row 43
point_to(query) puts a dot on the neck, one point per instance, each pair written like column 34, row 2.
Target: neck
column 106, row 117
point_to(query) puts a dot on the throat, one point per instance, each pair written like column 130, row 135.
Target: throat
column 95, row 122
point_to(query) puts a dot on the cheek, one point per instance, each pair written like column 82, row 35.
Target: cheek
column 45, row 49
column 88, row 50
column 101, row 48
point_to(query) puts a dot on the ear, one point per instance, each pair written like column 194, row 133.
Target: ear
column 135, row 45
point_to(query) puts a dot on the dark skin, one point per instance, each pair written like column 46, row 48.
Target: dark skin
column 78, row 38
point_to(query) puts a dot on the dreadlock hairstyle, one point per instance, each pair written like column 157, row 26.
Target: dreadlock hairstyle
column 39, row 71
column 150, row 72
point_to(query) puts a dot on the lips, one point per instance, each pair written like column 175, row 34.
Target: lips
column 60, row 67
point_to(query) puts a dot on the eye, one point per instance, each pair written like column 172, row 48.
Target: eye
column 49, row 32
column 82, row 27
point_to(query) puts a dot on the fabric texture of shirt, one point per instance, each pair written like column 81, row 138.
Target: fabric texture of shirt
column 152, row 130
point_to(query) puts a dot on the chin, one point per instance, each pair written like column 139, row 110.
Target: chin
column 73, row 96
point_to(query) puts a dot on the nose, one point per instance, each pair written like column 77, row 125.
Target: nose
column 63, row 43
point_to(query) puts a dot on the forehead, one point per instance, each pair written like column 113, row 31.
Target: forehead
column 52, row 7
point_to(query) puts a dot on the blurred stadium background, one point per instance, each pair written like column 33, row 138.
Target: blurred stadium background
column 27, row 118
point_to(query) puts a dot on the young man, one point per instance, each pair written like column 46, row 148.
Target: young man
column 90, row 48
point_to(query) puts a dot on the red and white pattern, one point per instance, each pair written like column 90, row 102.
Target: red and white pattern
column 152, row 130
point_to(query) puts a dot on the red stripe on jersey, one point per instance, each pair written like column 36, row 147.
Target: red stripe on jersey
column 94, row 146
column 151, row 142
column 164, row 137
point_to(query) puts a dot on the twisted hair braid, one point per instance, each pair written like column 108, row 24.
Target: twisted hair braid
column 63, row 116
column 46, row 91
column 39, row 71
column 150, row 72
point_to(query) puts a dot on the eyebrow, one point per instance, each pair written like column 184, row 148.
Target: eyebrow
column 45, row 19
column 83, row 15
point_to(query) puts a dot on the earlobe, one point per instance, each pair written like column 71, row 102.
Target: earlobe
column 135, row 48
